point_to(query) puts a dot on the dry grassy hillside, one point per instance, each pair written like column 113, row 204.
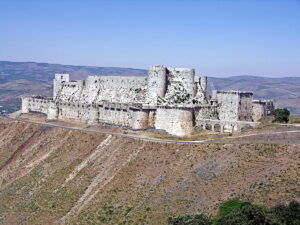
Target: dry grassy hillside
column 69, row 177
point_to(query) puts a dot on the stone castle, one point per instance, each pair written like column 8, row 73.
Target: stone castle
column 170, row 99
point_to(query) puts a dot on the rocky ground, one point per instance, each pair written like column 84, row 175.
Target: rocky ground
column 54, row 175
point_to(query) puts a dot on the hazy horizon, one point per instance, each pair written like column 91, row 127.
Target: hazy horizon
column 217, row 38
column 146, row 69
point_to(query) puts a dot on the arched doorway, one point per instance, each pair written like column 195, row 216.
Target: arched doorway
column 217, row 127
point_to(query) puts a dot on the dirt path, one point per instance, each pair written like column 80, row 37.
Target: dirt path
column 206, row 141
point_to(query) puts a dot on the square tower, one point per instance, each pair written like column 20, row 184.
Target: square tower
column 59, row 79
column 234, row 105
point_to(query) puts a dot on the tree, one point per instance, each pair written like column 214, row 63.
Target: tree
column 248, row 215
column 287, row 215
column 230, row 206
column 235, row 212
column 281, row 115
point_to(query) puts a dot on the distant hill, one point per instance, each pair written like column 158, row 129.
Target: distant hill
column 285, row 91
column 19, row 78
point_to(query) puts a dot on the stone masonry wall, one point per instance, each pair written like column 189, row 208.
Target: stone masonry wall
column 228, row 104
column 156, row 84
column 94, row 115
column 184, row 76
column 258, row 111
column 206, row 112
column 172, row 99
column 261, row 108
column 35, row 104
column 59, row 79
column 140, row 119
column 176, row 121
column 245, row 106
column 107, row 88
column 70, row 91
column 234, row 105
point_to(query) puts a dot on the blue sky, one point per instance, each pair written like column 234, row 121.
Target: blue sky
column 216, row 37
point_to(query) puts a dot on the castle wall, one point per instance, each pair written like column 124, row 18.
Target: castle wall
column 176, row 121
column 59, row 79
column 203, row 84
column 234, row 105
column 228, row 104
column 70, row 91
column 118, row 116
column 269, row 108
column 201, row 94
column 169, row 99
column 52, row 113
column 245, row 106
column 96, row 89
column 36, row 104
column 120, row 89
column 206, row 112
column 93, row 114
column 261, row 108
column 185, row 76
column 151, row 118
column 258, row 111
column 140, row 119
column 73, row 111
column 156, row 84
column 25, row 105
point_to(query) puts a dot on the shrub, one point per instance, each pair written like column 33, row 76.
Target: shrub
column 235, row 212
column 197, row 219
column 230, row 206
column 281, row 115
column 287, row 215
column 248, row 215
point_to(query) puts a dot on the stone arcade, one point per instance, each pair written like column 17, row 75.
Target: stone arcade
column 171, row 99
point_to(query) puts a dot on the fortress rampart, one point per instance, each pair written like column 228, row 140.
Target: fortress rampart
column 262, row 108
column 170, row 99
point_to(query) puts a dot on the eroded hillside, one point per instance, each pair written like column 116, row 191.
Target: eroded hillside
column 54, row 175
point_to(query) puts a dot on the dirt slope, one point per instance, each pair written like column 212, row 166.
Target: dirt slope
column 58, row 176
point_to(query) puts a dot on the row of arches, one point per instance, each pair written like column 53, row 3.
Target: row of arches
column 221, row 127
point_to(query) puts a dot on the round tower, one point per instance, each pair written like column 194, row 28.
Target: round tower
column 52, row 113
column 157, row 83
column 140, row 119
column 188, row 80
